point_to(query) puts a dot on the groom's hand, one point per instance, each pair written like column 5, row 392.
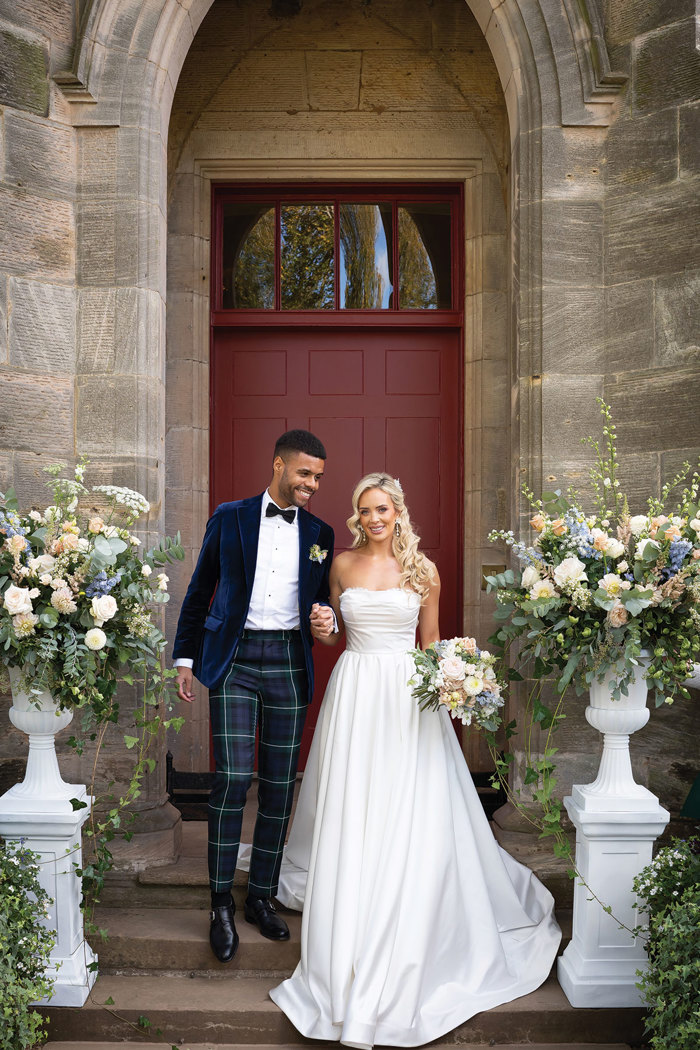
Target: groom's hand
column 184, row 684
column 322, row 622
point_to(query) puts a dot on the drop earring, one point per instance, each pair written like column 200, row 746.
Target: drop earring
column 397, row 529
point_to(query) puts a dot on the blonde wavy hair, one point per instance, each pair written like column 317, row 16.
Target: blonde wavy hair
column 417, row 572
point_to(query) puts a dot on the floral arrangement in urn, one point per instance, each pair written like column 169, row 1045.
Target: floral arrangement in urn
column 455, row 674
column 76, row 594
column 598, row 589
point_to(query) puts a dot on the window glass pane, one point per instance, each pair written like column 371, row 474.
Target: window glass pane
column 249, row 256
column 425, row 264
column 306, row 256
column 365, row 256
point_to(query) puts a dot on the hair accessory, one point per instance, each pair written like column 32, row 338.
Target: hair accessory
column 398, row 484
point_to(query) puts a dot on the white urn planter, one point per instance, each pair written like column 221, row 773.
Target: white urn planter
column 617, row 822
column 39, row 812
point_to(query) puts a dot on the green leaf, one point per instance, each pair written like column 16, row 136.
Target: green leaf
column 131, row 741
column 76, row 803
column 109, row 1002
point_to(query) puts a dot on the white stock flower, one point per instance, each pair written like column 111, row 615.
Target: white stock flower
column 103, row 607
column 163, row 581
column 134, row 541
column 17, row 600
column 83, row 545
column 570, row 571
column 146, row 570
column 62, row 600
column 530, row 577
column 95, row 639
column 638, row 523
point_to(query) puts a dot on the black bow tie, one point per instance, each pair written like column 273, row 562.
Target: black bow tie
column 289, row 514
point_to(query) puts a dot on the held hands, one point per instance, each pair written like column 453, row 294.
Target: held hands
column 184, row 684
column 321, row 620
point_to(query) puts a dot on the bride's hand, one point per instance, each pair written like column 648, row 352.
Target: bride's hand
column 321, row 620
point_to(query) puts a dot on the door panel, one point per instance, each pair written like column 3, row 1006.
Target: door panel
column 385, row 399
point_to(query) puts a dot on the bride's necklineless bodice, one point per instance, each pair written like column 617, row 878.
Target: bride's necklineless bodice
column 379, row 621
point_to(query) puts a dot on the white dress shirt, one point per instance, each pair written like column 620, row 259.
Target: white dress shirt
column 274, row 600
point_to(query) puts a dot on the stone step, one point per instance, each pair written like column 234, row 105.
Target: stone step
column 237, row 1010
column 298, row 1046
column 176, row 941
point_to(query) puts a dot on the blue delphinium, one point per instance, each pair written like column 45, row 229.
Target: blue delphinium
column 581, row 535
column 102, row 584
column 11, row 524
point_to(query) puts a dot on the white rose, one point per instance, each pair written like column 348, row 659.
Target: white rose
column 103, row 607
column 162, row 581
column 35, row 515
column 638, row 523
column 17, row 600
column 695, row 524
column 614, row 549
column 570, row 571
column 42, row 563
column 146, row 570
column 644, row 545
column 530, row 577
column 95, row 639
column 453, row 668
column 45, row 578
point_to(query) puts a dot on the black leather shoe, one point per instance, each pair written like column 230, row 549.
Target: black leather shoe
column 262, row 913
column 222, row 933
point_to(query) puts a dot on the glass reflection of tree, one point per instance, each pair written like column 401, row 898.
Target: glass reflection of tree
column 307, row 257
column 359, row 228
column 254, row 268
column 418, row 289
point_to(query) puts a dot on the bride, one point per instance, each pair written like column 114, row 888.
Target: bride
column 414, row 919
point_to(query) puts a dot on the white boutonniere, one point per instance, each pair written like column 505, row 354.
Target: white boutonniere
column 316, row 554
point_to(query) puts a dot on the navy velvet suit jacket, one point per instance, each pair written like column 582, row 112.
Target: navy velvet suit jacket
column 209, row 631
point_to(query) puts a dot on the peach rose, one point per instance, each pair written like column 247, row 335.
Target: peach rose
column 537, row 522
column 671, row 532
column 656, row 523
column 558, row 527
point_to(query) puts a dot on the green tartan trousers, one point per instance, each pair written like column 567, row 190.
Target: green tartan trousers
column 264, row 692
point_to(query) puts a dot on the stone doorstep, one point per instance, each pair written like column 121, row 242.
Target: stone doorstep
column 176, row 940
column 239, row 1011
column 298, row 1046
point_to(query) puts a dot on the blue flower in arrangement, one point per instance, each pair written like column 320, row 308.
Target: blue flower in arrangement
column 676, row 555
column 102, row 584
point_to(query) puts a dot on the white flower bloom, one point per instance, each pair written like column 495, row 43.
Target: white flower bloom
column 95, row 639
column 638, row 523
column 45, row 578
column 530, row 577
column 163, row 581
column 644, row 545
column 454, row 668
column 35, row 515
column 613, row 585
column 146, row 570
column 473, row 685
column 613, row 548
column 103, row 607
column 16, row 544
column 134, row 541
column 17, row 600
column 110, row 531
column 53, row 513
column 24, row 624
column 62, row 600
column 42, row 563
column 695, row 524
column 543, row 589
column 83, row 545
column 622, row 566
column 570, row 571
column 58, row 582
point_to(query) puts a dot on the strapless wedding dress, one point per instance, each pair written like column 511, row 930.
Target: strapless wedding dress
column 414, row 919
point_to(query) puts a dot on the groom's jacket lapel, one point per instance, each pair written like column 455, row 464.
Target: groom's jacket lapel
column 249, row 530
column 309, row 530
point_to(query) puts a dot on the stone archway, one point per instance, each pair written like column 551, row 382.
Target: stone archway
column 553, row 68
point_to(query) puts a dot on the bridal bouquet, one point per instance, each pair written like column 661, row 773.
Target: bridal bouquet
column 456, row 674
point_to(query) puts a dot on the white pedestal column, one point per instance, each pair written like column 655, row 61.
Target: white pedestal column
column 599, row 966
column 617, row 822
column 39, row 812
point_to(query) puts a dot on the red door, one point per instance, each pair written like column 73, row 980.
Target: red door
column 379, row 399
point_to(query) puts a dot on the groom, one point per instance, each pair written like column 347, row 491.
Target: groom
column 245, row 631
